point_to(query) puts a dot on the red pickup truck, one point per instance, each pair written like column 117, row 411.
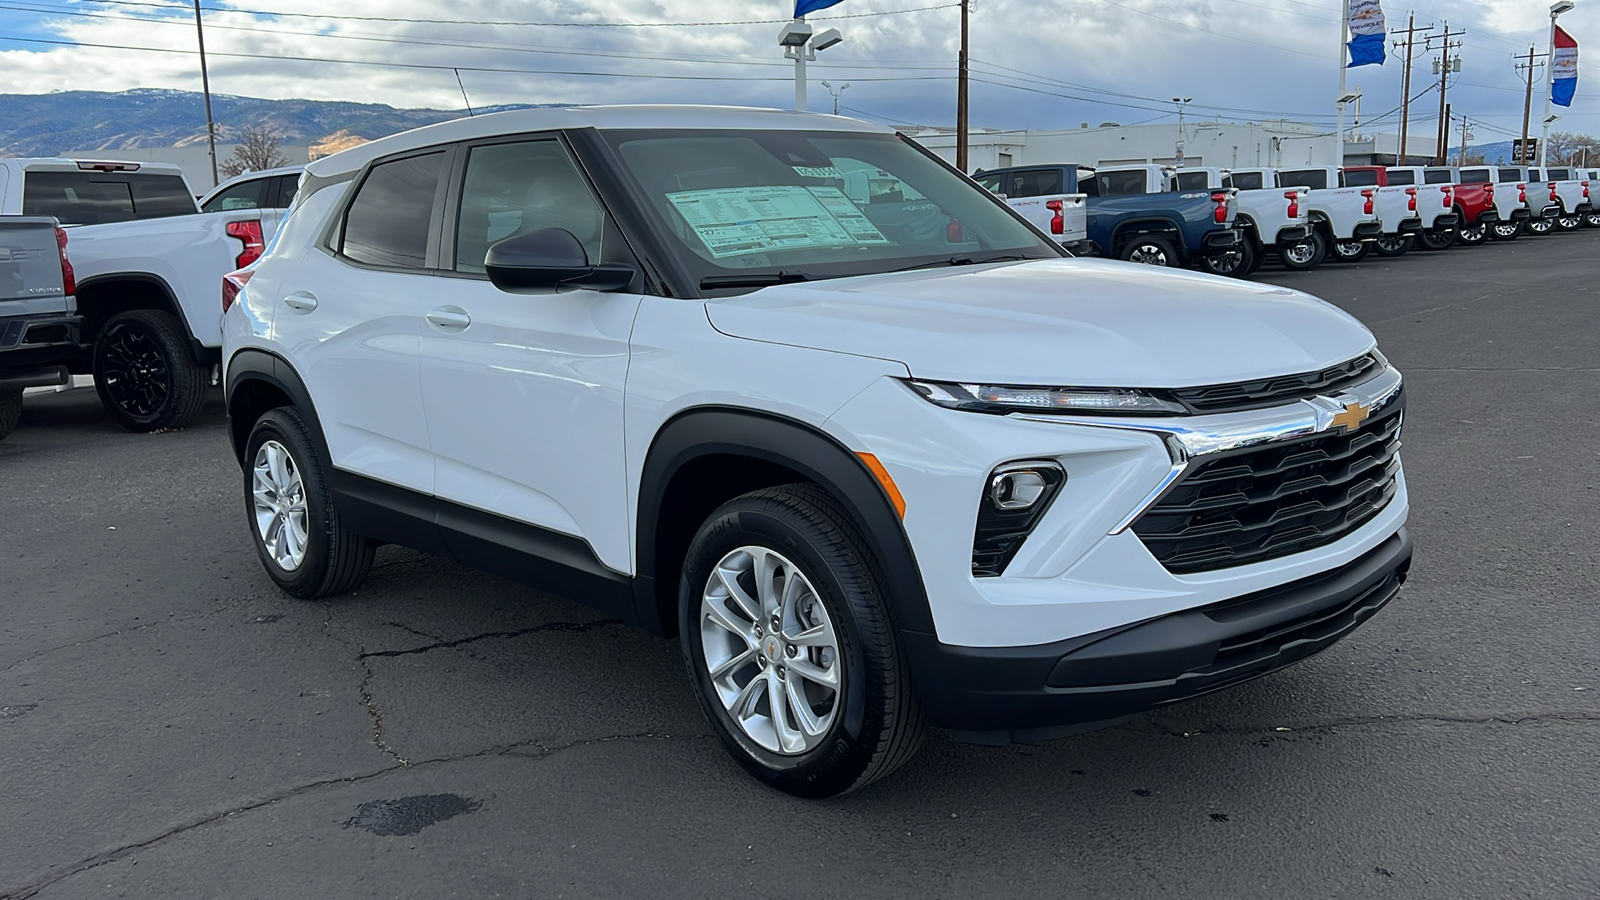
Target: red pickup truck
column 1474, row 202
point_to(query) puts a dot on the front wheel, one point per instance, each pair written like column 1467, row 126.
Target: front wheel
column 303, row 544
column 10, row 411
column 1569, row 223
column 1150, row 250
column 786, row 636
column 1351, row 251
column 1541, row 226
column 1442, row 239
column 144, row 373
column 1393, row 245
column 1235, row 263
column 1506, row 231
column 1473, row 235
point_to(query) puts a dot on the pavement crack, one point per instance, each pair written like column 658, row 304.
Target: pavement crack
column 364, row 690
column 1513, row 719
column 110, row 634
column 445, row 645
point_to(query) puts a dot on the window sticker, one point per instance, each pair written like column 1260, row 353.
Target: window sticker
column 735, row 221
column 849, row 215
column 810, row 172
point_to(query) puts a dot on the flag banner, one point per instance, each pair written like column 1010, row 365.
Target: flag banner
column 1563, row 69
column 1368, row 33
column 803, row 7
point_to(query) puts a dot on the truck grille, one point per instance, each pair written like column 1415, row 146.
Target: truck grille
column 1275, row 500
column 1275, row 391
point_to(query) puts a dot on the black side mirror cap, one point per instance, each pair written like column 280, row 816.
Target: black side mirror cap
column 547, row 259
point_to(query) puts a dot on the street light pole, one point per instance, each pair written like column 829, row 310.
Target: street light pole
column 205, row 84
column 836, row 91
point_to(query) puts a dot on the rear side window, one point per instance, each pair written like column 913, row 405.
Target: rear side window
column 1360, row 178
column 244, row 195
column 1438, row 176
column 1316, row 179
column 1246, row 181
column 1510, row 175
column 95, row 198
column 1475, row 176
column 388, row 221
column 1402, row 176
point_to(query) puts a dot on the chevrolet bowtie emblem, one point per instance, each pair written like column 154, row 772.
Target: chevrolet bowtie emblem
column 1350, row 418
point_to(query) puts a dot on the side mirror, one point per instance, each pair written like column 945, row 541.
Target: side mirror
column 547, row 259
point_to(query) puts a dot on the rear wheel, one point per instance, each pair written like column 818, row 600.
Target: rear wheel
column 1473, row 235
column 1442, row 239
column 1569, row 223
column 1351, row 251
column 1591, row 220
column 1299, row 257
column 145, row 374
column 10, row 411
column 303, row 544
column 786, row 635
column 1235, row 263
column 1506, row 231
column 1541, row 226
column 1393, row 245
column 1150, row 250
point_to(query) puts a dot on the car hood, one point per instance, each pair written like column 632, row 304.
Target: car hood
column 1055, row 322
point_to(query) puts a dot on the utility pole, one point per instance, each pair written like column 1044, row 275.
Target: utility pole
column 205, row 84
column 961, row 92
column 1527, row 102
column 1445, row 46
column 1463, row 156
column 1444, row 131
column 1405, row 95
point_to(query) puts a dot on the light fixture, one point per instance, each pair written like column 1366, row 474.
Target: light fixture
column 1349, row 97
column 826, row 39
column 1564, row 6
column 796, row 33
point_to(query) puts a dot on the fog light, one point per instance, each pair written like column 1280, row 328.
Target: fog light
column 1015, row 499
column 1016, row 489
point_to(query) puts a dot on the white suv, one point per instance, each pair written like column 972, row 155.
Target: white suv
column 790, row 388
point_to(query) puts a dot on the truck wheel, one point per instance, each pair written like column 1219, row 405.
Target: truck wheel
column 1541, row 226
column 1569, row 223
column 303, row 544
column 1436, row 240
column 1473, row 235
column 1299, row 257
column 1150, row 250
column 1236, row 263
column 1393, row 245
column 1506, row 231
column 1351, row 251
column 145, row 375
column 1592, row 220
column 10, row 411
column 786, row 636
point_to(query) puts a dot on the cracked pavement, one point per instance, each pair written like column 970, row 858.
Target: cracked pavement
column 171, row 726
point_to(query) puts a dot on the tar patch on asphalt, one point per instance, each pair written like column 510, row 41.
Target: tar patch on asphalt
column 409, row 815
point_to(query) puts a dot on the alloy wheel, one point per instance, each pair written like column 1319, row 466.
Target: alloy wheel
column 1300, row 254
column 278, row 497
column 1506, row 229
column 771, row 650
column 1150, row 255
column 134, row 370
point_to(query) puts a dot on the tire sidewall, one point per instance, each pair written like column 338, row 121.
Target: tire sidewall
column 10, row 411
column 285, row 426
column 841, row 751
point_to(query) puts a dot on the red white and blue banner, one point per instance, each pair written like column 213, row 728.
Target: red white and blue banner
column 1368, row 33
column 802, row 7
column 1563, row 69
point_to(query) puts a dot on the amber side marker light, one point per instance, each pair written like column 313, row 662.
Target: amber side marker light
column 882, row 474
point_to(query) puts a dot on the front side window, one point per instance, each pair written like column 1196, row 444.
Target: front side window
column 513, row 189
column 813, row 204
column 388, row 221
column 244, row 195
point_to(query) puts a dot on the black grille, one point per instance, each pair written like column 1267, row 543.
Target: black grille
column 1275, row 391
column 1276, row 500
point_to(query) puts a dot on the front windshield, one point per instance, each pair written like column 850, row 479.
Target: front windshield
column 808, row 205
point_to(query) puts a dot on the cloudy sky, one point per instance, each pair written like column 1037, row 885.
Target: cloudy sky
column 1036, row 64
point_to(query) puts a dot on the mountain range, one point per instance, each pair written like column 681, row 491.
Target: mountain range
column 54, row 123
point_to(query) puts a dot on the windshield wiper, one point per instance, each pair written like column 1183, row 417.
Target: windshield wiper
column 753, row 279
column 967, row 261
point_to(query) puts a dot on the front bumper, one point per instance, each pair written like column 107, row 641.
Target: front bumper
column 1022, row 694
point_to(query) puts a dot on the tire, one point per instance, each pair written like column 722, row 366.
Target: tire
column 1393, row 245
column 145, row 374
column 332, row 559
column 1150, row 250
column 1591, row 220
column 1541, row 226
column 1300, row 257
column 1236, row 263
column 10, row 411
column 1320, row 240
column 1569, row 223
column 1506, row 231
column 1257, row 260
column 1472, row 235
column 1350, row 251
column 863, row 727
column 1436, row 240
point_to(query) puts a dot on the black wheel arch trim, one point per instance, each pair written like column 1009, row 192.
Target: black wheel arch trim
column 253, row 364
column 201, row 352
column 717, row 430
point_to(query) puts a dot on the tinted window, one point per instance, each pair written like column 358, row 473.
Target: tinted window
column 1402, row 176
column 1192, row 181
column 1360, row 178
column 994, row 184
column 1036, row 183
column 1475, row 176
column 1316, row 179
column 387, row 224
column 281, row 194
column 244, row 195
column 1438, row 176
column 512, row 189
column 92, row 198
column 1247, row 181
column 1510, row 175
column 1559, row 175
column 1113, row 184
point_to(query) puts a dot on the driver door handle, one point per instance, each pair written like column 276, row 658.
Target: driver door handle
column 301, row 301
column 450, row 318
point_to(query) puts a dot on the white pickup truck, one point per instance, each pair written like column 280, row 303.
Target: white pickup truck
column 1568, row 189
column 149, row 271
column 1407, row 210
column 1338, row 214
column 1063, row 216
column 1271, row 219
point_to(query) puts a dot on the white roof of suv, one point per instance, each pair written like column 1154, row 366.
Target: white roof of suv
column 603, row 117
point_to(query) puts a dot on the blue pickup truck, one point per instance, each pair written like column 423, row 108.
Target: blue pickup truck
column 1180, row 229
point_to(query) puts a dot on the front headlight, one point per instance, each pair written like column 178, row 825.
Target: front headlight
column 1004, row 398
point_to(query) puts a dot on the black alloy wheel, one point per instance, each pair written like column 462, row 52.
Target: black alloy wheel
column 145, row 374
column 10, row 411
column 1442, row 239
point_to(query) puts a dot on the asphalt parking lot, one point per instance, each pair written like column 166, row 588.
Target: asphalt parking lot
column 171, row 726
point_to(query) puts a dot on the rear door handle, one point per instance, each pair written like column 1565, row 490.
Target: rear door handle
column 450, row 318
column 301, row 301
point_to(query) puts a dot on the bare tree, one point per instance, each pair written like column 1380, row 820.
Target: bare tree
column 1570, row 149
column 257, row 150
